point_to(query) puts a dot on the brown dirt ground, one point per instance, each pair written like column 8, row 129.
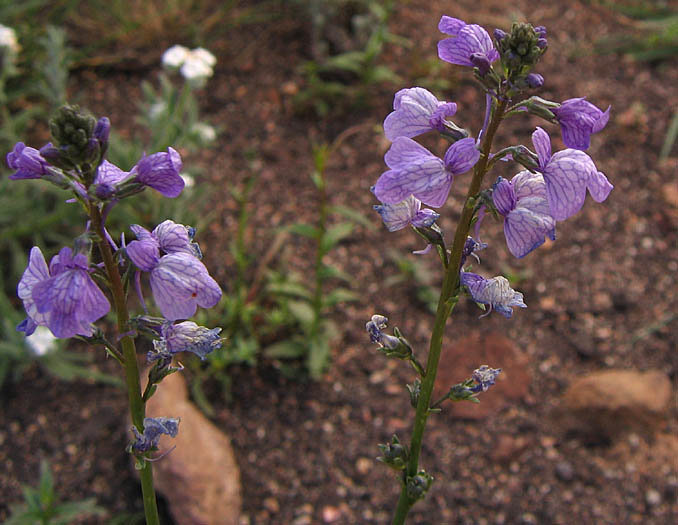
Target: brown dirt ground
column 306, row 450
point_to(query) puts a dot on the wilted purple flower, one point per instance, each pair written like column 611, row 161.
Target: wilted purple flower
column 416, row 171
column 63, row 297
column 179, row 281
column 568, row 174
column 495, row 293
column 27, row 162
column 398, row 216
column 185, row 337
column 467, row 40
column 485, row 377
column 160, row 171
column 154, row 427
column 416, row 111
column 578, row 120
column 375, row 326
column 527, row 218
column 470, row 247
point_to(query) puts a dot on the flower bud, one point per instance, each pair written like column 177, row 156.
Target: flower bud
column 418, row 485
column 534, row 80
column 394, row 455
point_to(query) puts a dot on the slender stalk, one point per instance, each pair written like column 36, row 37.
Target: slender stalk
column 448, row 299
column 136, row 403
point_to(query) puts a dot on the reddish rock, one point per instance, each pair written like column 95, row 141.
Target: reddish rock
column 460, row 359
column 608, row 403
column 200, row 478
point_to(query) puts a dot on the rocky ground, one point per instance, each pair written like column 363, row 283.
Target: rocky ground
column 555, row 441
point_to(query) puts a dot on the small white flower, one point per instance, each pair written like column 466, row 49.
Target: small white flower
column 205, row 132
column 175, row 56
column 200, row 53
column 195, row 70
column 42, row 341
column 8, row 39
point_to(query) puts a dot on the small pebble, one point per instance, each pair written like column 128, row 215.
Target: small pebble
column 564, row 471
column 331, row 514
column 653, row 497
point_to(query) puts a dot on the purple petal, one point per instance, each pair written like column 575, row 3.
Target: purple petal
column 450, row 26
column 27, row 162
column 390, row 188
column 160, row 171
column 566, row 179
column 189, row 337
column 503, row 196
column 542, row 145
column 413, row 110
column 425, row 218
column 527, row 226
column 398, row 216
column 144, row 254
column 579, row 119
column 470, row 39
column 436, row 193
column 405, row 151
column 444, row 110
column 109, row 174
column 35, row 273
column 180, row 283
column 528, row 184
column 461, row 156
column 173, row 237
column 597, row 182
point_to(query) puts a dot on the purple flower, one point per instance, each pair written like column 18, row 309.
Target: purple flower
column 417, row 111
column 485, row 377
column 375, row 326
column 527, row 217
column 398, row 216
column 185, row 337
column 63, row 297
column 27, row 162
column 416, row 171
column 578, row 120
column 154, row 427
column 179, row 281
column 160, row 171
column 568, row 174
column 495, row 293
column 107, row 179
column 470, row 44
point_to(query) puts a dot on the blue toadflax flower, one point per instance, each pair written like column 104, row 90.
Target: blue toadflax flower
column 63, row 297
column 568, row 174
column 185, row 337
column 495, row 293
column 179, row 281
column 416, row 111
column 160, row 171
column 416, row 171
column 27, row 162
column 470, row 44
column 154, row 427
column 578, row 120
column 398, row 216
column 527, row 218
column 485, row 377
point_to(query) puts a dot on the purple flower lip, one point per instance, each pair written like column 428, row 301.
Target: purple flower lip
column 27, row 162
column 400, row 215
column 416, row 111
column 579, row 119
column 467, row 40
column 160, row 171
column 63, row 297
column 495, row 293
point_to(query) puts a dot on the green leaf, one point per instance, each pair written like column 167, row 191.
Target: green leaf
column 331, row 272
column 290, row 289
column 339, row 295
column 302, row 311
column 335, row 235
column 307, row 230
column 318, row 357
column 285, row 350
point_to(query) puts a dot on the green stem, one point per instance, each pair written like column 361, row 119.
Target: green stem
column 448, row 299
column 136, row 403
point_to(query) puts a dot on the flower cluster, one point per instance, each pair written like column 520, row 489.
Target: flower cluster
column 195, row 65
column 552, row 188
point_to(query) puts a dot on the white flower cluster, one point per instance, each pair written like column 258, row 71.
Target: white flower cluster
column 195, row 65
column 8, row 40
